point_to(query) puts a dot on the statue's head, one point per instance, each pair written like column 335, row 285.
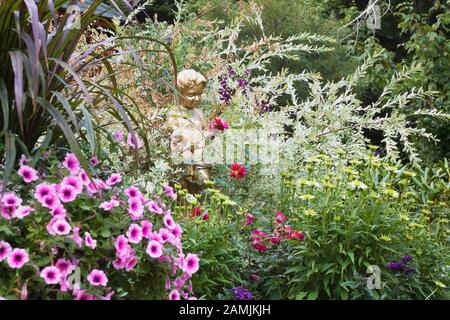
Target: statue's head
column 190, row 84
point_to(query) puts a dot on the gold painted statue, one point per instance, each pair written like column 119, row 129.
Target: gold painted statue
column 189, row 131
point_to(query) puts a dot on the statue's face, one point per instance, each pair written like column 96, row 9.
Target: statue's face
column 191, row 96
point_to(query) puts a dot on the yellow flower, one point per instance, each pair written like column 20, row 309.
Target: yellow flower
column 391, row 168
column 409, row 237
column 391, row 192
column 303, row 182
column 385, row 238
column 372, row 147
column 409, row 173
column 337, row 218
column 306, row 197
column 404, row 217
column 340, row 152
column 310, row 212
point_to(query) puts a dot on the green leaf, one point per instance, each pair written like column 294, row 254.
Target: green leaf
column 313, row 295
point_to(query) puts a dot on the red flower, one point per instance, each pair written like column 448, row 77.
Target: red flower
column 196, row 212
column 296, row 235
column 206, row 216
column 237, row 171
column 218, row 124
column 275, row 240
column 249, row 219
column 280, row 217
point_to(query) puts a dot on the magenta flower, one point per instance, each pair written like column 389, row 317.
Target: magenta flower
column 71, row 163
column 169, row 222
column 28, row 174
column 218, row 124
column 11, row 200
column 174, row 295
column 43, row 190
column 51, row 275
column 59, row 211
column 135, row 208
column 84, row 177
column 51, row 201
column 76, row 237
column 67, row 193
column 134, row 233
column 94, row 161
column 146, row 229
column 191, row 263
column 97, row 278
column 17, row 258
column 166, row 235
column 89, row 242
column 177, row 231
column 118, row 135
column 133, row 192
column 121, row 244
column 82, row 295
column 65, row 266
column 61, row 227
column 154, row 249
column 22, row 212
column 109, row 205
column 7, row 212
column 114, row 179
column 279, row 217
column 153, row 206
column 169, row 192
column 131, row 263
column 134, row 141
column 249, row 219
column 5, row 250
column 23, row 160
column 119, row 263
column 73, row 181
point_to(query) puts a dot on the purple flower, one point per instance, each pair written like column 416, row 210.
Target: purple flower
column 225, row 92
column 241, row 293
column 406, row 259
column 231, row 71
column 410, row 270
column 395, row 266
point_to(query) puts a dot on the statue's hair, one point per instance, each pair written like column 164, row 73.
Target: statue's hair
column 189, row 78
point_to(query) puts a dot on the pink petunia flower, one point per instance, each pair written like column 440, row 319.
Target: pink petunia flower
column 118, row 135
column 66, row 267
column 114, row 179
column 76, row 237
column 51, row 275
column 42, row 190
column 51, row 201
column 119, row 263
column 67, row 193
column 154, row 249
column 23, row 160
column 169, row 222
column 59, row 211
column 166, row 235
column 28, row 174
column 61, row 227
column 134, row 233
column 169, row 192
column 153, row 206
column 84, row 177
column 177, row 231
column 71, row 163
column 97, row 278
column 11, row 200
column 82, row 295
column 133, row 192
column 174, row 295
column 121, row 244
column 134, row 141
column 22, row 212
column 94, row 161
column 109, row 205
column 135, row 208
column 17, row 258
column 74, row 181
column 191, row 263
column 89, row 242
column 146, row 229
column 5, row 250
column 131, row 263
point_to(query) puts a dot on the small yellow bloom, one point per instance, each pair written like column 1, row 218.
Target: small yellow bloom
column 306, row 197
column 385, row 238
column 391, row 192
column 439, row 284
column 404, row 217
column 356, row 184
column 409, row 173
column 310, row 212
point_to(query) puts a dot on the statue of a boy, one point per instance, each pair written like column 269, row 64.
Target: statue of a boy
column 190, row 131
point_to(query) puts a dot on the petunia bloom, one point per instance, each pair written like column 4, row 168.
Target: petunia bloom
column 17, row 258
column 5, row 250
column 28, row 174
column 51, row 275
column 97, row 278
column 154, row 249
column 71, row 163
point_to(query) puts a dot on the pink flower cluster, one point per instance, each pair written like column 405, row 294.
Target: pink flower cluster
column 218, row 124
column 261, row 240
column 140, row 239
column 16, row 258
